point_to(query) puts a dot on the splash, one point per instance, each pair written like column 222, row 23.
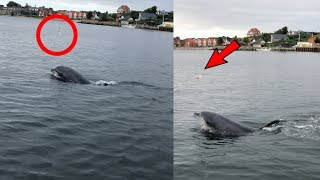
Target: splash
column 105, row 83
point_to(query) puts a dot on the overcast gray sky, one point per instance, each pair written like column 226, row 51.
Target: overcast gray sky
column 205, row 18
column 99, row 5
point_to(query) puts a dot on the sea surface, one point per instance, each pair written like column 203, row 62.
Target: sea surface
column 254, row 88
column 54, row 130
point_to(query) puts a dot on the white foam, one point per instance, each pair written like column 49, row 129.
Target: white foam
column 104, row 83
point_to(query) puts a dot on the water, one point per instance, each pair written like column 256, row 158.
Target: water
column 54, row 130
column 254, row 88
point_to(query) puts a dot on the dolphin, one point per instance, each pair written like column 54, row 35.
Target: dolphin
column 66, row 74
column 217, row 124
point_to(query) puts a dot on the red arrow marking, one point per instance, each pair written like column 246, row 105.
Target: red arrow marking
column 218, row 58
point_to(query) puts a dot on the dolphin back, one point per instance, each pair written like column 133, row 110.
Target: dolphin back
column 224, row 125
column 71, row 75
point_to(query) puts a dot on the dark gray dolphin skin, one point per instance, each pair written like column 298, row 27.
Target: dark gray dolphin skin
column 217, row 124
column 67, row 74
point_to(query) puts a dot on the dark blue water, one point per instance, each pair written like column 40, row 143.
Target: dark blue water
column 53, row 130
column 254, row 88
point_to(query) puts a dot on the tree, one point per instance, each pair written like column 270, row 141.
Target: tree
column 89, row 15
column 104, row 16
column 153, row 9
column 13, row 4
column 246, row 40
column 266, row 37
column 317, row 40
column 220, row 41
column 283, row 30
column 27, row 6
column 114, row 16
column 134, row 15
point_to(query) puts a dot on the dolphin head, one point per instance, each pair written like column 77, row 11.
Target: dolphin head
column 207, row 120
column 67, row 74
column 59, row 73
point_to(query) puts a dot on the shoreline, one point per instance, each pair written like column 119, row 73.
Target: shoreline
column 117, row 24
column 105, row 23
column 249, row 48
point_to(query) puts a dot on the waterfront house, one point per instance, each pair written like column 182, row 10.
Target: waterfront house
column 45, row 12
column 81, row 15
column 278, row 37
column 33, row 9
column 258, row 43
column 125, row 20
column 72, row 14
column 15, row 10
column 211, row 42
column 146, row 16
column 95, row 15
column 3, row 10
column 225, row 41
column 253, row 32
column 63, row 12
column 191, row 42
column 202, row 42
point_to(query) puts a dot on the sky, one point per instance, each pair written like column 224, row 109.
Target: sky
column 99, row 5
column 205, row 18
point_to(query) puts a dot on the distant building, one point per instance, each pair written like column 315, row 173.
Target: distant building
column 95, row 15
column 145, row 16
column 45, row 12
column 278, row 37
column 63, row 12
column 15, row 10
column 81, row 15
column 258, row 43
column 34, row 9
column 162, row 12
column 123, row 9
column 125, row 20
column 177, row 42
column 202, row 42
column 191, row 42
column 253, row 32
column 294, row 32
column 211, row 42
column 312, row 39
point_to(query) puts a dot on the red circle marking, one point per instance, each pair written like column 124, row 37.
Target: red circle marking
column 74, row 40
